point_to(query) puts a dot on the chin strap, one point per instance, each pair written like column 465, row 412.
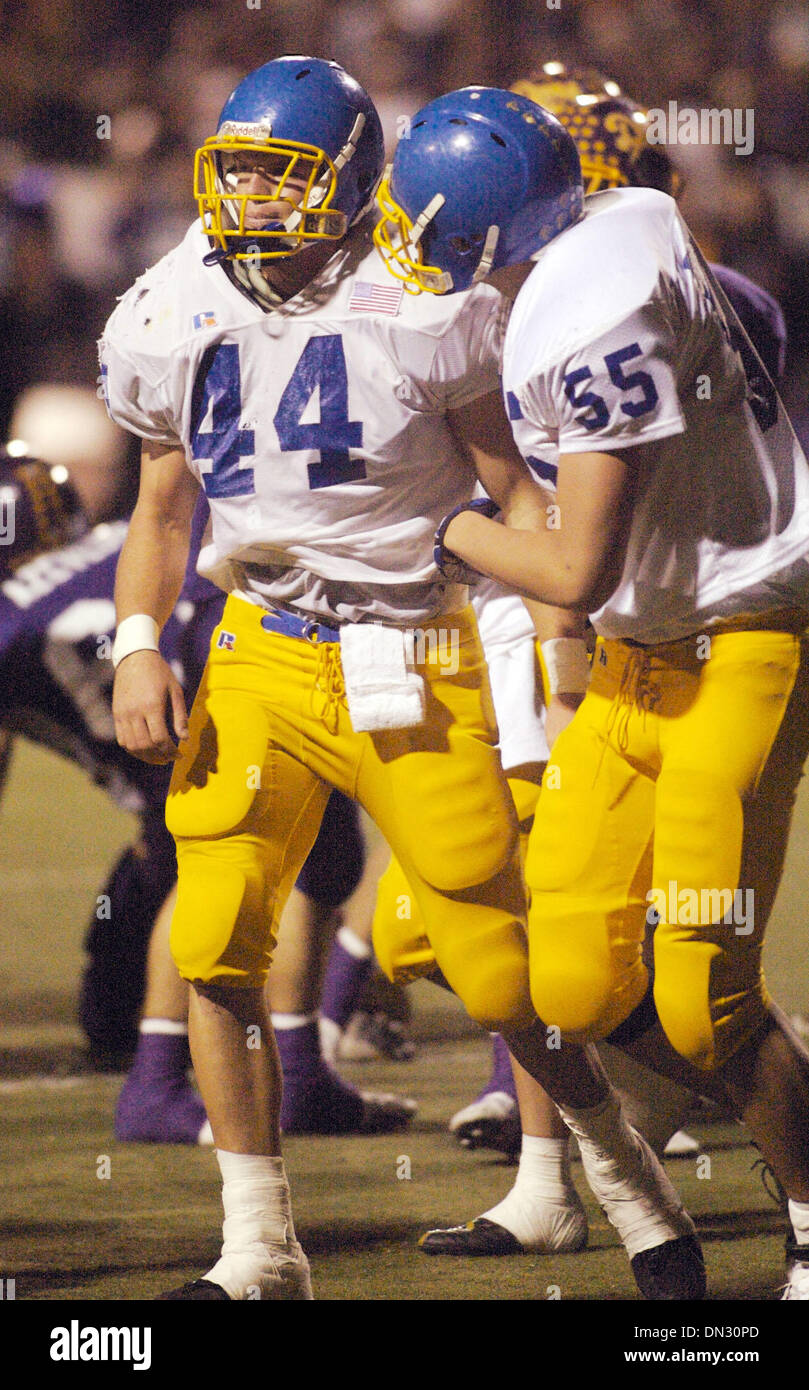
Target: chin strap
column 346, row 154
column 423, row 220
column 350, row 147
column 489, row 248
column 251, row 278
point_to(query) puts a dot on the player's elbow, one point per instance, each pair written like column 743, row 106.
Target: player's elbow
column 587, row 579
column 576, row 587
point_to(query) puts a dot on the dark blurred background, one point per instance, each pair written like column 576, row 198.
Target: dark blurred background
column 82, row 214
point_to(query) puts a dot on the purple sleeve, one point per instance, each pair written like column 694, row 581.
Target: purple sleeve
column 761, row 318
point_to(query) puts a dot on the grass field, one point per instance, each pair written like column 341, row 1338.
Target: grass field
column 84, row 1218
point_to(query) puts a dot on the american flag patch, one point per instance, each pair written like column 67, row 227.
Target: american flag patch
column 205, row 320
column 380, row 299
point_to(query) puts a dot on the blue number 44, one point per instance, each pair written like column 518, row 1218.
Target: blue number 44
column 321, row 367
column 218, row 384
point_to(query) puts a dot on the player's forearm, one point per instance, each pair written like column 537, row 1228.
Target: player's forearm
column 556, row 622
column 152, row 565
column 535, row 564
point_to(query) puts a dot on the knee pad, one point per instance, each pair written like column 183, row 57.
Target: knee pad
column 220, row 767
column 582, row 1000
column 462, row 826
column 490, row 977
column 710, row 1000
column 708, row 988
column 222, row 929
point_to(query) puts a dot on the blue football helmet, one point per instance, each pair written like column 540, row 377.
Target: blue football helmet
column 483, row 179
column 304, row 125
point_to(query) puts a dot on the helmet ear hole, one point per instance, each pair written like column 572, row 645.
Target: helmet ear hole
column 464, row 245
column 498, row 140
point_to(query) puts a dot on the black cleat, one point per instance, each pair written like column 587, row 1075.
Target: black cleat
column 481, row 1237
column 673, row 1270
column 492, row 1121
column 197, row 1288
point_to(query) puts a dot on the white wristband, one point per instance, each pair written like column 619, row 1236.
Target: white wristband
column 139, row 633
column 567, row 669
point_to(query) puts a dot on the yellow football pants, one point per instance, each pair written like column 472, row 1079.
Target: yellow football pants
column 270, row 735
column 671, row 791
column 401, row 944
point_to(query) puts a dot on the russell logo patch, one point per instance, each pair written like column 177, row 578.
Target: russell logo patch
column 226, row 641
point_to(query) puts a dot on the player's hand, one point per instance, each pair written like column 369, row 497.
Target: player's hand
column 558, row 715
column 448, row 563
column 145, row 690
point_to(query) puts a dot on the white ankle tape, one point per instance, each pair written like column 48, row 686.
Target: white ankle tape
column 255, row 1196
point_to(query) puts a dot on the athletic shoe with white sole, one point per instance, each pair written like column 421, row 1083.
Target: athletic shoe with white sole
column 287, row 1279
column 322, row 1103
column 797, row 1285
column 490, row 1122
column 564, row 1230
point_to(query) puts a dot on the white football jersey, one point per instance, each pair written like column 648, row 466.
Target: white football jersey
column 620, row 336
column 317, row 429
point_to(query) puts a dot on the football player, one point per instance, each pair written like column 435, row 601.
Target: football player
column 321, row 410
column 56, row 612
column 683, row 502
column 609, row 131
column 56, row 623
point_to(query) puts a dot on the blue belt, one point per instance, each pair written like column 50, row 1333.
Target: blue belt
column 291, row 625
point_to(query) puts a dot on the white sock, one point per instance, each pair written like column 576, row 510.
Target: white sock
column 628, row 1181
column 353, row 944
column 799, row 1216
column 164, row 1025
column 258, row 1229
column 543, row 1207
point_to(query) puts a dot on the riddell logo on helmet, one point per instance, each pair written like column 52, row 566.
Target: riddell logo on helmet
column 682, row 125
column 246, row 130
